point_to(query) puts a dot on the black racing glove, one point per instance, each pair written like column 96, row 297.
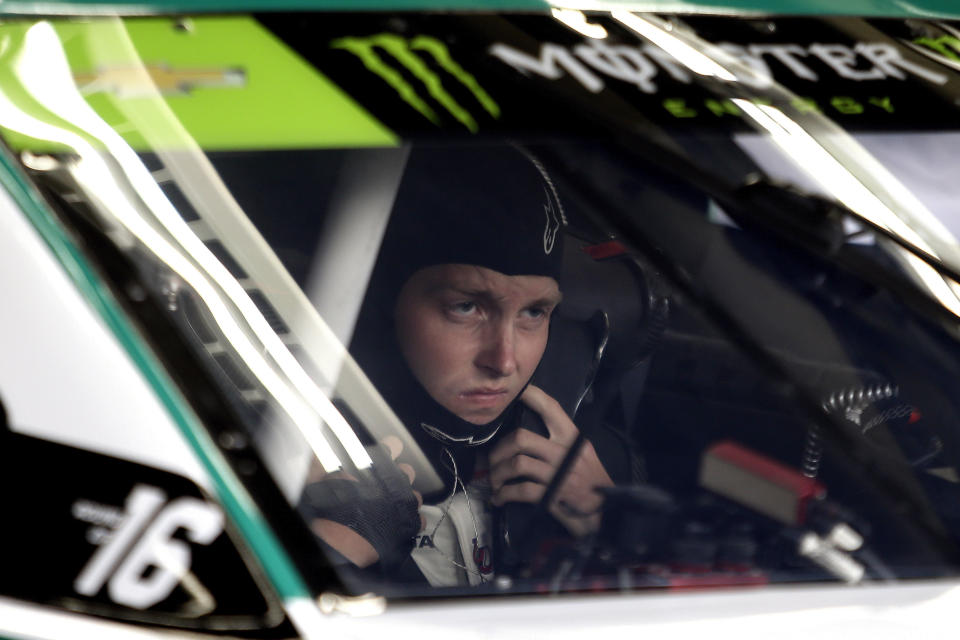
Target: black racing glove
column 379, row 505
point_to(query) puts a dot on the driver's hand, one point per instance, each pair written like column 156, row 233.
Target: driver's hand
column 370, row 518
column 535, row 459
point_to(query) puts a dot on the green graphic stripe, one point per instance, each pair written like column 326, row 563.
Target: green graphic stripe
column 233, row 497
column 266, row 98
column 287, row 103
column 892, row 8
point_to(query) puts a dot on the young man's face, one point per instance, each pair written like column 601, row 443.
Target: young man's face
column 473, row 336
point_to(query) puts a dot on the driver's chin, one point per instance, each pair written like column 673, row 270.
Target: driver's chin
column 479, row 419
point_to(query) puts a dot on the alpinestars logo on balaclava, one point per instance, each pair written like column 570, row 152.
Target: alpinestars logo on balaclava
column 553, row 223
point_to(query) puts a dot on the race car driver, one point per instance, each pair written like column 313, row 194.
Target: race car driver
column 453, row 327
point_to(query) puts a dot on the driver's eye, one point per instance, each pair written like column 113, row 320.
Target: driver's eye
column 464, row 308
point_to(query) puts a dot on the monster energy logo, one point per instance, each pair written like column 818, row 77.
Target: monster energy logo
column 947, row 46
column 413, row 55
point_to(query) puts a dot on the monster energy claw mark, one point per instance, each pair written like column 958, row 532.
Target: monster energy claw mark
column 405, row 52
column 947, row 46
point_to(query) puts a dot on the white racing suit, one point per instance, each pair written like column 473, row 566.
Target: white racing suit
column 455, row 547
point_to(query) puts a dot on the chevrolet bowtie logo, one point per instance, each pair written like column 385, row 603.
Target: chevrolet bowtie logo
column 134, row 81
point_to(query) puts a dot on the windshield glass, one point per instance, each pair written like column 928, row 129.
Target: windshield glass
column 536, row 303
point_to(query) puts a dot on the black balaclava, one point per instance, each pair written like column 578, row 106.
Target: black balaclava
column 491, row 206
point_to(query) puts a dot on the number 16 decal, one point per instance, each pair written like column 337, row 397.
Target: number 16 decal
column 140, row 561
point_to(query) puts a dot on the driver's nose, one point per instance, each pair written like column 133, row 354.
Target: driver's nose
column 497, row 355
